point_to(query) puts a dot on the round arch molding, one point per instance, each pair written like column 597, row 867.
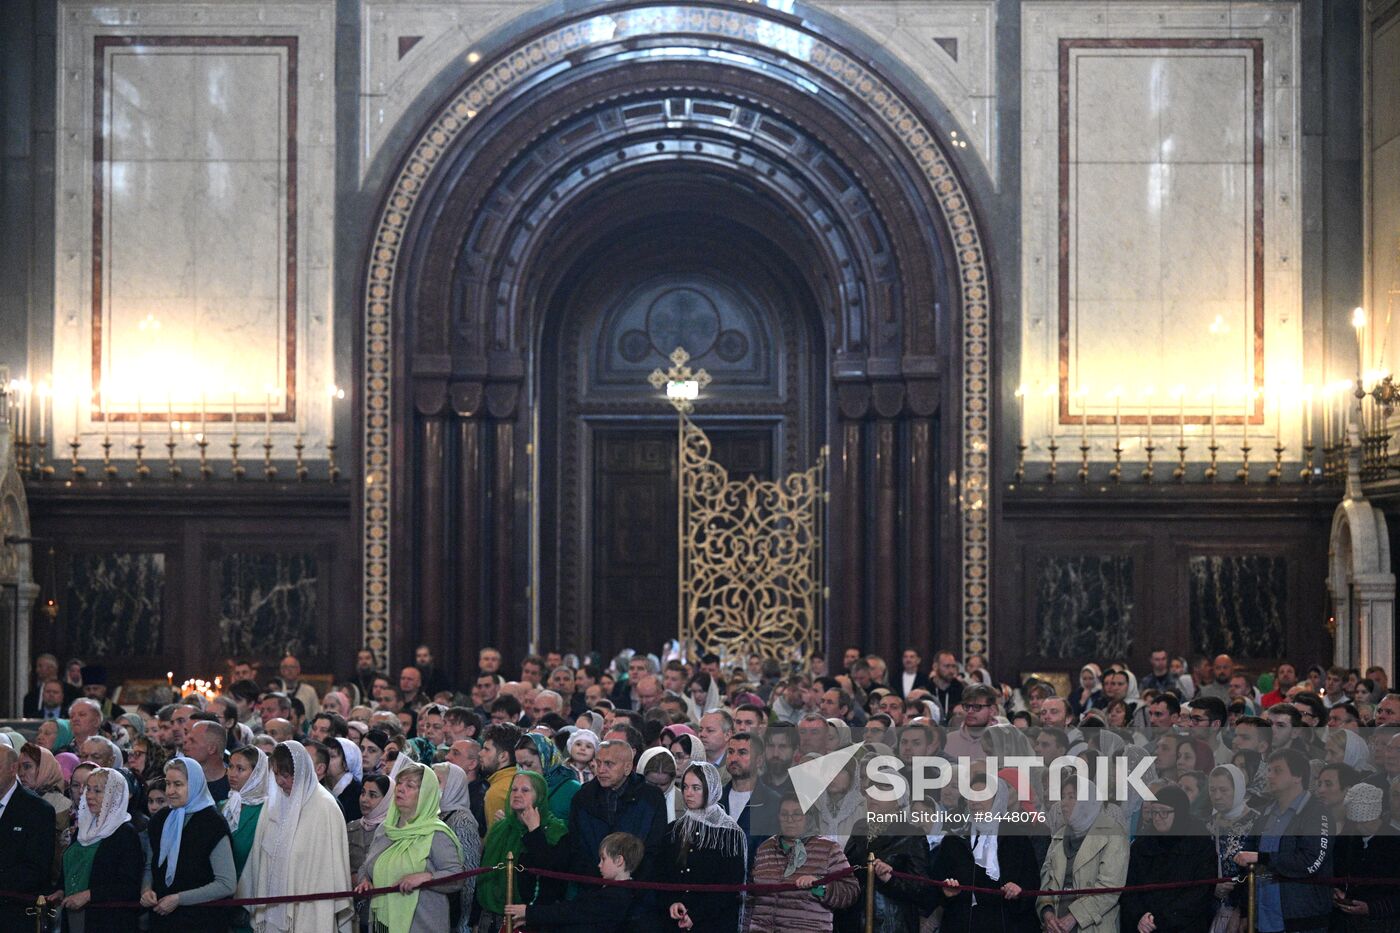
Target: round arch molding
column 401, row 382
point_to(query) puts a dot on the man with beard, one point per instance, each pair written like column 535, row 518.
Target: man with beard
column 498, row 765
column 748, row 801
column 779, row 753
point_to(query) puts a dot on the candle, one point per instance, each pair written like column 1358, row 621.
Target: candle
column 1021, row 412
column 1181, row 415
column 267, row 417
column 1358, row 321
column 77, row 415
column 1117, row 417
column 43, row 409
column 170, row 411
column 1051, row 395
column 1212, row 416
column 335, row 393
column 1083, row 416
column 139, row 415
column 1278, row 419
column 170, row 678
column 106, row 415
column 1248, row 408
column 1307, row 416
column 1148, row 392
column 203, row 411
column 234, row 417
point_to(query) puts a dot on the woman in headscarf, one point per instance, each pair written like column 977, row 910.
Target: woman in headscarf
column 56, row 737
column 658, row 766
column 799, row 857
column 897, row 900
column 247, row 782
column 704, row 847
column 300, row 848
column 347, row 774
column 412, row 848
column 536, row 837
column 538, row 753
column 104, row 862
column 976, row 853
column 842, row 806
column 39, row 771
column 583, row 748
column 687, row 749
column 1089, row 850
column 455, row 809
column 1232, row 830
column 1172, row 847
column 1349, row 748
column 374, row 804
column 191, row 856
column 372, row 752
column 1090, row 692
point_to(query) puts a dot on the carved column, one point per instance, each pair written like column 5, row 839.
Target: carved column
column 501, row 400
column 919, row 467
column 431, row 523
column 849, row 570
column 467, row 550
column 888, row 560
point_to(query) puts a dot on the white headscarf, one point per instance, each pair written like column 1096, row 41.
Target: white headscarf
column 115, row 797
column 1357, row 754
column 281, row 816
column 254, row 791
column 670, row 795
column 354, row 769
column 455, row 795
column 984, row 833
column 1241, row 784
column 1098, row 676
column 711, row 827
column 1086, row 809
column 587, row 736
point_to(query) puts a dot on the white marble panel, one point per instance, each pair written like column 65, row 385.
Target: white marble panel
column 1207, row 232
column 1114, row 107
column 1207, row 342
column 1385, row 83
column 151, row 105
column 1116, row 232
column 195, row 214
column 1112, row 344
column 242, row 112
column 1205, row 101
column 1385, row 238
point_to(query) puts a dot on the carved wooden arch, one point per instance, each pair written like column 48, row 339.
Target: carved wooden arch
column 883, row 381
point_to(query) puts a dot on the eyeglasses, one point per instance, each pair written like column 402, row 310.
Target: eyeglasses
column 1156, row 812
column 978, row 705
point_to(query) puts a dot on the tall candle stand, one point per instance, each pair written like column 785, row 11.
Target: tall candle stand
column 75, row 469
column 205, row 470
column 1116, row 474
column 1150, row 449
column 301, row 469
column 1213, row 470
column 1242, row 474
column 1054, row 448
column 1084, row 461
column 235, row 467
column 333, row 471
column 1179, row 474
column 269, row 471
column 1020, row 462
column 173, row 467
column 1306, row 473
column 43, row 468
column 142, row 470
column 1276, row 474
column 109, row 469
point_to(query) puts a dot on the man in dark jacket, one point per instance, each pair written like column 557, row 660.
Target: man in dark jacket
column 616, row 801
column 752, row 803
column 26, row 843
column 45, row 670
column 1294, row 844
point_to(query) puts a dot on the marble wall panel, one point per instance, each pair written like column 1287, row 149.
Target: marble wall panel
column 195, row 190
column 114, row 604
column 1383, row 179
column 1083, row 605
column 268, row 604
column 1238, row 605
column 1143, row 202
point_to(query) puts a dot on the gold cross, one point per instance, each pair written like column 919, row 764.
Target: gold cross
column 682, row 384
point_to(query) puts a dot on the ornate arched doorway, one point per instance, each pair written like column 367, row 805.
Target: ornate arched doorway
column 750, row 165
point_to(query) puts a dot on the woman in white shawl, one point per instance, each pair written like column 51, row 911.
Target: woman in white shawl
column 347, row 771
column 1348, row 748
column 843, row 804
column 455, row 809
column 705, row 846
column 1231, row 827
column 658, row 766
column 301, row 848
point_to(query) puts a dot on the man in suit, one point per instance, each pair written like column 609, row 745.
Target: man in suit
column 912, row 677
column 45, row 670
column 26, row 843
column 750, row 802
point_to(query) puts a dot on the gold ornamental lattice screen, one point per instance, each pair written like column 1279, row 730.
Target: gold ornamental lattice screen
column 751, row 571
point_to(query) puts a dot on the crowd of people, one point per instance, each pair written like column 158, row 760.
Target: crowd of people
column 390, row 791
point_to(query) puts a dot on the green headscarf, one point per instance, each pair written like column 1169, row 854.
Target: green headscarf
column 561, row 779
column 64, row 738
column 507, row 837
column 408, row 853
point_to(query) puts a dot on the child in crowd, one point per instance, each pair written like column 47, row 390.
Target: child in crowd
column 600, row 909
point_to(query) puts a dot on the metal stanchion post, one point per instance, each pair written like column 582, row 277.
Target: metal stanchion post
column 1253, row 900
column 870, row 892
column 510, row 890
column 38, row 914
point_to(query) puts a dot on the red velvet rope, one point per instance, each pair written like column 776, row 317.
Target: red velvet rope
column 776, row 888
column 282, row 899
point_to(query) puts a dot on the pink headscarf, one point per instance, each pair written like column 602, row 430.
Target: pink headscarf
column 67, row 763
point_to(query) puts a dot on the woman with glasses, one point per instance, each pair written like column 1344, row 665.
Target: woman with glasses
column 1172, row 847
column 799, row 857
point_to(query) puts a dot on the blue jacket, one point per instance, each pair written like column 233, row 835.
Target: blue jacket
column 1304, row 851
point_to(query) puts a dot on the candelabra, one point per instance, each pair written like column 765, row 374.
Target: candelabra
column 1179, row 474
column 1084, row 461
column 109, row 469
column 301, row 464
column 1147, row 470
column 142, row 470
column 205, row 470
column 174, row 468
column 75, row 469
column 1276, row 474
column 1242, row 474
column 1116, row 474
column 1054, row 461
column 1306, row 473
column 1213, row 470
column 235, row 467
column 269, row 471
column 41, row 467
column 332, row 470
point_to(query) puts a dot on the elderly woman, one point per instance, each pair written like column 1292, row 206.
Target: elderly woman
column 658, row 767
column 704, row 847
column 104, row 863
column 978, row 854
column 412, row 848
column 300, row 847
column 796, row 856
column 538, row 753
column 191, row 856
column 1089, row 850
column 536, row 837
column 455, row 809
column 1232, row 831
column 1172, row 847
column 54, row 734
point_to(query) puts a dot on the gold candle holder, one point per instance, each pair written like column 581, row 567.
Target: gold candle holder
column 1179, row 474
column 109, row 469
column 269, row 471
column 1020, row 462
column 1116, row 474
column 1242, row 474
column 75, row 469
column 1148, row 469
column 205, row 470
column 142, row 470
column 42, row 467
column 302, row 471
column 235, row 467
column 1306, row 473
column 1276, row 474
column 1213, row 470
column 1084, row 462
column 333, row 471
column 174, row 468
column 1050, row 474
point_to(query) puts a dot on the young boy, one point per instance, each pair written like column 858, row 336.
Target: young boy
column 604, row 908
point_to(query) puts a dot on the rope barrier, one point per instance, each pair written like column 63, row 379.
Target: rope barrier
column 776, row 888
column 281, row 899
column 1067, row 892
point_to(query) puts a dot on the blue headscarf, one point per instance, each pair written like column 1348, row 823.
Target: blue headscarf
column 197, row 798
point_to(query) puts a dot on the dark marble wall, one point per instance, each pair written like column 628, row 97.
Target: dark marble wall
column 1239, row 605
column 268, row 604
column 113, row 606
column 1083, row 605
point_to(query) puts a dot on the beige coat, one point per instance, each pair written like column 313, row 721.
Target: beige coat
column 1102, row 862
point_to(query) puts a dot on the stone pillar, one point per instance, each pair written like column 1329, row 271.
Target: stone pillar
column 17, row 588
column 1360, row 581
